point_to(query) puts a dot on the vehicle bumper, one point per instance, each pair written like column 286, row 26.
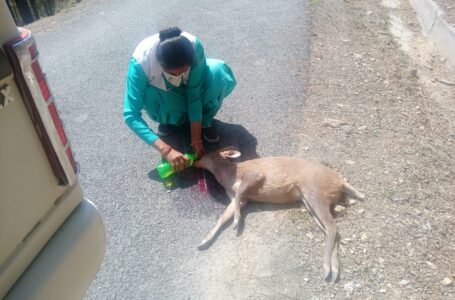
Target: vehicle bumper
column 70, row 260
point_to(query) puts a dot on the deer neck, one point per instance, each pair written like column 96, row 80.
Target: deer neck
column 225, row 173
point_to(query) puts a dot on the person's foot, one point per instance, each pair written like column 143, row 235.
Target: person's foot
column 165, row 129
column 210, row 134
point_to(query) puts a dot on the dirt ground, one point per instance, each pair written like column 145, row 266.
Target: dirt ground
column 379, row 109
column 449, row 10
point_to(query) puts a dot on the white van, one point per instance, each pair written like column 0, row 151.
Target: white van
column 52, row 240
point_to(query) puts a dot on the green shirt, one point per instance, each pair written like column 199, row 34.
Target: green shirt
column 137, row 84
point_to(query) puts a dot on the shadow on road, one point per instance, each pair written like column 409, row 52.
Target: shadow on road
column 201, row 193
column 250, row 208
column 231, row 135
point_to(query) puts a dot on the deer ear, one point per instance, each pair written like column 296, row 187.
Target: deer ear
column 232, row 154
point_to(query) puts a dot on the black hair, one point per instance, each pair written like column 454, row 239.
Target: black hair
column 174, row 50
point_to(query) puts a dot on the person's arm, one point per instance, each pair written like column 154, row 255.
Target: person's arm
column 194, row 95
column 136, row 84
column 177, row 159
column 195, row 83
column 196, row 140
column 134, row 100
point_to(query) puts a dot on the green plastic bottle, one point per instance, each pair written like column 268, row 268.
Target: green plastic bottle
column 165, row 169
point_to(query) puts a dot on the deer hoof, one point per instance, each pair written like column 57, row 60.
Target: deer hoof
column 327, row 273
column 236, row 224
column 335, row 272
column 203, row 245
column 335, row 275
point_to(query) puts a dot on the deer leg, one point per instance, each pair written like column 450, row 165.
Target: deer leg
column 330, row 250
column 240, row 190
column 334, row 263
column 227, row 214
column 250, row 182
column 324, row 219
column 313, row 215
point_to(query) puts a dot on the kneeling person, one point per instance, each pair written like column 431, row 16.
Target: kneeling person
column 172, row 81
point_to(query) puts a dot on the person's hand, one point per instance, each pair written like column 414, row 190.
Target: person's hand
column 198, row 149
column 177, row 160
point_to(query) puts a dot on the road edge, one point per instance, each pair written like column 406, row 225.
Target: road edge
column 435, row 28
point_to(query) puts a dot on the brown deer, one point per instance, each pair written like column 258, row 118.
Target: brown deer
column 281, row 180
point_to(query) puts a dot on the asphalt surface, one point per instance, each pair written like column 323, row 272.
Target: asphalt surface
column 152, row 232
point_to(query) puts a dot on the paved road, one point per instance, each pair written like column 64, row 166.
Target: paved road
column 152, row 233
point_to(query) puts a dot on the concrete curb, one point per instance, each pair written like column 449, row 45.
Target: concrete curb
column 435, row 28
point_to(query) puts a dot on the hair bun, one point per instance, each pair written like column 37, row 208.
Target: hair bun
column 169, row 33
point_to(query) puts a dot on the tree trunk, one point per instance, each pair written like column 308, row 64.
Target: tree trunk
column 50, row 7
column 25, row 11
column 13, row 10
column 35, row 8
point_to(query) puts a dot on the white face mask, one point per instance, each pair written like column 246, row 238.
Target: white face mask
column 177, row 80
